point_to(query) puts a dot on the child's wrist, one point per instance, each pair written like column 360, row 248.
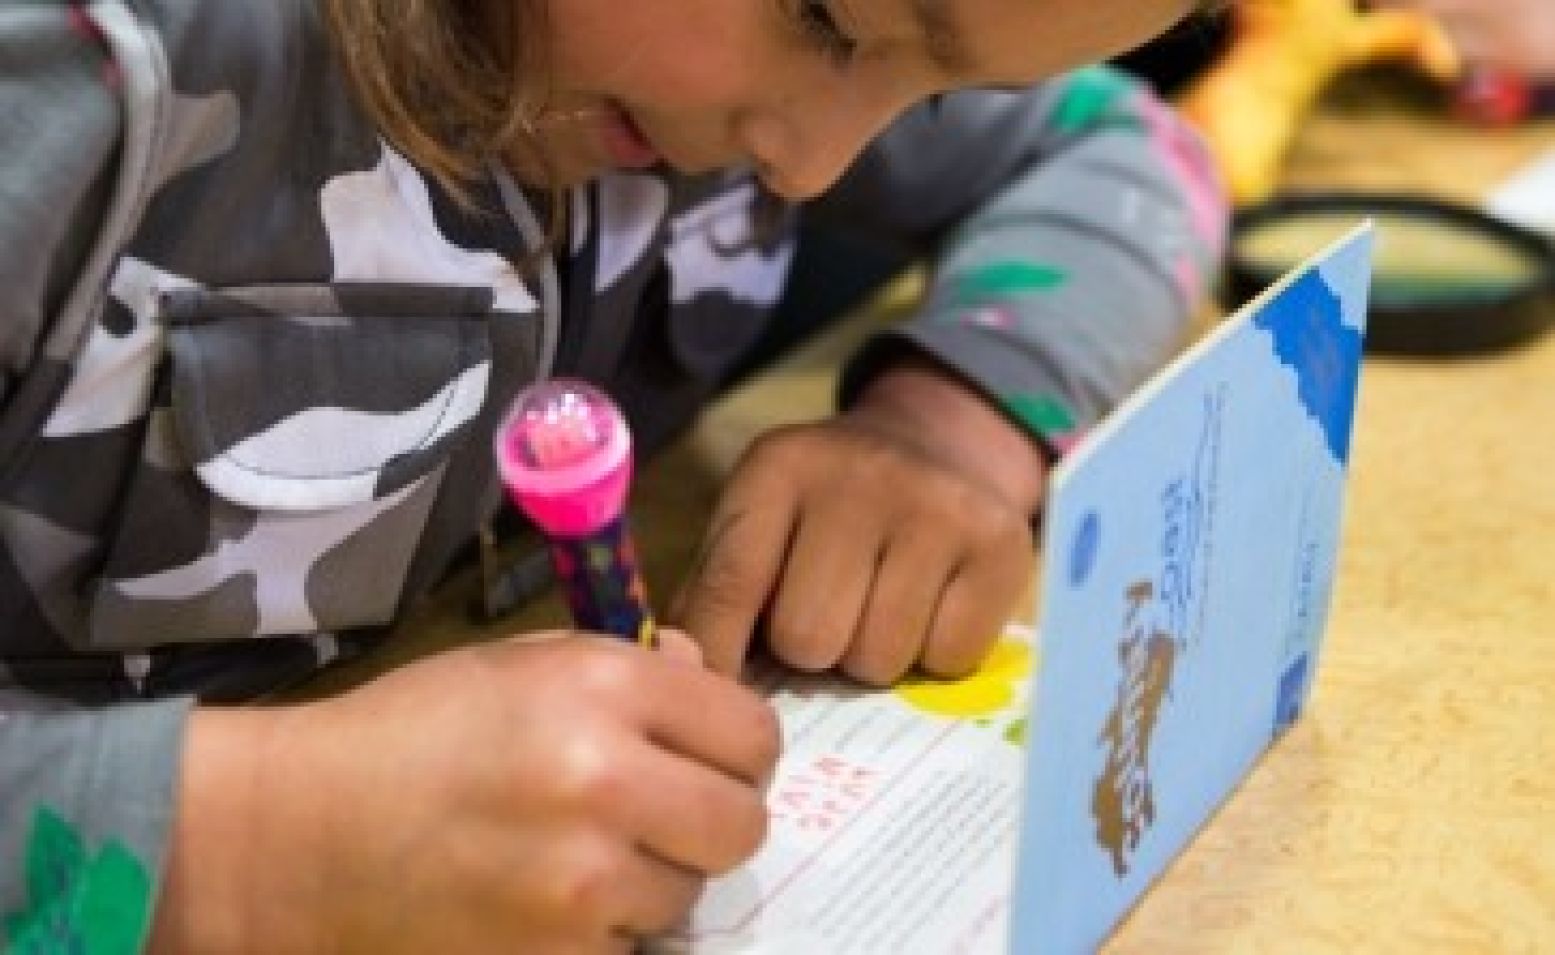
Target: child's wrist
column 238, row 844
column 935, row 410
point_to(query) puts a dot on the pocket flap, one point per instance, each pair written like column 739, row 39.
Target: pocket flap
column 309, row 397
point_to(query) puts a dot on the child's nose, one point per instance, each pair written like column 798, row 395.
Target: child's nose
column 802, row 150
column 806, row 177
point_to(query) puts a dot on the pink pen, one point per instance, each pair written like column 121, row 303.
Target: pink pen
column 565, row 454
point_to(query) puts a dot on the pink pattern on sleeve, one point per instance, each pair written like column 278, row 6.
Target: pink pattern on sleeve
column 84, row 26
column 1184, row 156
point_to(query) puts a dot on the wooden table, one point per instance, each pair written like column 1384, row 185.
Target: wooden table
column 1413, row 808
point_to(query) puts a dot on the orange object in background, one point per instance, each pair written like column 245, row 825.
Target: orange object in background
column 1282, row 56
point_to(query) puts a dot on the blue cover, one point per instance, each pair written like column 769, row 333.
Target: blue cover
column 1190, row 549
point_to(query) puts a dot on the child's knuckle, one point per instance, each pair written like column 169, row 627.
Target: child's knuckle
column 729, row 581
column 748, row 832
column 1010, row 534
column 587, row 884
column 774, row 449
column 592, row 781
column 607, row 675
column 873, row 669
column 801, row 641
column 764, row 737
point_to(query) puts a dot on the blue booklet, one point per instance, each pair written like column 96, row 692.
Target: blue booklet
column 1190, row 545
column 1190, row 550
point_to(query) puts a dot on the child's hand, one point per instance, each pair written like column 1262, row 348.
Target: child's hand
column 564, row 795
column 893, row 535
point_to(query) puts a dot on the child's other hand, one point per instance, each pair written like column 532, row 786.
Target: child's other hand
column 544, row 796
column 895, row 534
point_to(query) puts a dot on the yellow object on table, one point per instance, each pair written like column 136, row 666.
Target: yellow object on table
column 1283, row 54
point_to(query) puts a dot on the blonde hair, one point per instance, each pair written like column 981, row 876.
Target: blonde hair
column 452, row 84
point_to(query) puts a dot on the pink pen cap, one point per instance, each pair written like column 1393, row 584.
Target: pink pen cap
column 565, row 455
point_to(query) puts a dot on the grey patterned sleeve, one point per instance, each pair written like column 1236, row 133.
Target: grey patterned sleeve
column 59, row 129
column 88, row 798
column 1074, row 228
column 86, row 795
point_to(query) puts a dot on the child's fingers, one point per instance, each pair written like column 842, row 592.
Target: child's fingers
column 717, row 722
column 902, row 602
column 974, row 608
column 661, row 895
column 690, row 814
column 825, row 583
column 608, row 891
column 964, row 631
column 739, row 567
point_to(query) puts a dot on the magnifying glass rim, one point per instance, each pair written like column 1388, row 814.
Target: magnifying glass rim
column 1439, row 324
column 1541, row 250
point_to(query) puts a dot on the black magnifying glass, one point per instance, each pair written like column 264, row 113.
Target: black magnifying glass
column 1448, row 279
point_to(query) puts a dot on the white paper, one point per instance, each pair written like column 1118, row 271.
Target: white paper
column 1528, row 198
column 893, row 820
column 1189, row 552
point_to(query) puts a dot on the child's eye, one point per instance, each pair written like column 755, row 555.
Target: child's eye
column 822, row 31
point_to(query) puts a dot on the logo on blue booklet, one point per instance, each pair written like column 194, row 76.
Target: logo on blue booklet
column 1082, row 549
column 1123, row 800
column 1161, row 619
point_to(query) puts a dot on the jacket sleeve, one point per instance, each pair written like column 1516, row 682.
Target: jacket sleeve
column 86, row 794
column 1074, row 229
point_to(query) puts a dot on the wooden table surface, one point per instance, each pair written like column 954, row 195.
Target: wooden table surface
column 1413, row 807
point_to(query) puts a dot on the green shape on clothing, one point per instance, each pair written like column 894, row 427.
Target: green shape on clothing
column 1000, row 280
column 94, row 905
column 1040, row 413
column 1088, row 99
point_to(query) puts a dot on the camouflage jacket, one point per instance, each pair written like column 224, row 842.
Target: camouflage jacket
column 250, row 358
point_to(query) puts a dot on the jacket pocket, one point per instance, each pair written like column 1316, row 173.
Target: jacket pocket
column 306, row 398
column 294, row 460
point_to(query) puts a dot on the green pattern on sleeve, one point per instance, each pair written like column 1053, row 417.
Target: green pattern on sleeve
column 92, row 905
column 999, row 281
column 1041, row 414
column 1089, row 98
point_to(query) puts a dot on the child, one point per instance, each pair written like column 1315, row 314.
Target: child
column 273, row 270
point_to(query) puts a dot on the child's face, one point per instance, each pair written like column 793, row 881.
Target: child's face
column 795, row 88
